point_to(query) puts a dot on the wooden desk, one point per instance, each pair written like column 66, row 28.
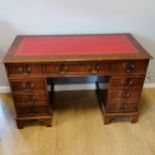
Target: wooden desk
column 33, row 59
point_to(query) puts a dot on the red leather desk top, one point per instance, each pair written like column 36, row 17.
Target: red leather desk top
column 75, row 45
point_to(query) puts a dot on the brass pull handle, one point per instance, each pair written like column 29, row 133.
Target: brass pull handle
column 25, row 69
column 127, row 95
column 98, row 68
column 29, row 69
column 24, row 86
column 31, row 86
column 129, row 67
column 132, row 66
column 28, row 87
column 123, row 107
column 63, row 69
column 32, row 98
column 33, row 110
column 130, row 83
column 90, row 68
column 20, row 69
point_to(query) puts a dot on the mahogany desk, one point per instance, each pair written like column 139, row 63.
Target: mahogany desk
column 33, row 59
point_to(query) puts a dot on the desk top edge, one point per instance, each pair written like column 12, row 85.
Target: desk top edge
column 9, row 58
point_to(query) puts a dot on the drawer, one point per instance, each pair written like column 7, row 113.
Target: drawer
column 78, row 68
column 130, row 67
column 32, row 110
column 28, row 85
column 122, row 106
column 125, row 94
column 63, row 68
column 126, row 82
column 24, row 69
column 30, row 99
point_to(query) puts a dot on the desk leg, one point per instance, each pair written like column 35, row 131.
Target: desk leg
column 134, row 119
column 22, row 122
column 47, row 122
column 51, row 97
column 107, row 119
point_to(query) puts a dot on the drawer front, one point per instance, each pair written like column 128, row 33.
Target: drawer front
column 24, row 69
column 61, row 68
column 122, row 106
column 31, row 110
column 28, row 85
column 78, row 68
column 129, row 67
column 30, row 99
column 125, row 94
column 126, row 82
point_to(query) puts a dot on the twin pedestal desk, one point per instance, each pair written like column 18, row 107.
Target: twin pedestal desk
column 33, row 59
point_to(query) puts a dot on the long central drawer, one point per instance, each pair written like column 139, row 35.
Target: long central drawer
column 78, row 68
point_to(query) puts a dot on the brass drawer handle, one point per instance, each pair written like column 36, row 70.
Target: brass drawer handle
column 25, row 69
column 24, row 86
column 33, row 110
column 129, row 67
column 123, row 107
column 127, row 95
column 29, row 69
column 28, row 87
column 63, row 69
column 90, row 68
column 32, row 86
column 20, row 69
column 127, row 83
column 32, row 98
column 98, row 68
column 130, row 83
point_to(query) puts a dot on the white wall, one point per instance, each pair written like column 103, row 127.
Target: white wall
column 74, row 17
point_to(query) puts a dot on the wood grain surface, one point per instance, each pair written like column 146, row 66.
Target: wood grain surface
column 78, row 129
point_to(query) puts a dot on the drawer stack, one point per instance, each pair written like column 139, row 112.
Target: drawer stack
column 29, row 90
column 124, row 89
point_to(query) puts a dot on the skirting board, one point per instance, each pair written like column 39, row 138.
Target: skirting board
column 65, row 87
